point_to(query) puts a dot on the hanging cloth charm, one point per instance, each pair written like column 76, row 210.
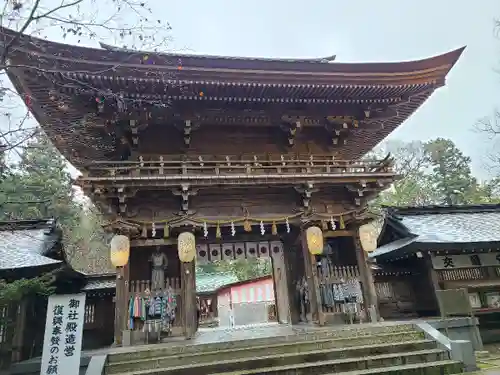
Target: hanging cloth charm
column 144, row 233
column 274, row 229
column 287, row 224
column 153, row 229
column 247, row 226
column 324, row 225
column 262, row 229
column 233, row 230
column 341, row 222
column 205, row 229
column 332, row 223
column 218, row 233
column 166, row 231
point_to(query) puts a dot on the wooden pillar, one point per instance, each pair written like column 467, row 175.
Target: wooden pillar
column 280, row 283
column 366, row 276
column 18, row 339
column 433, row 279
column 290, row 250
column 121, row 299
column 312, row 279
column 188, row 292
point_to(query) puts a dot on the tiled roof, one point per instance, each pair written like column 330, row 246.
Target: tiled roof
column 205, row 282
column 392, row 246
column 100, row 284
column 442, row 224
column 25, row 243
column 210, row 282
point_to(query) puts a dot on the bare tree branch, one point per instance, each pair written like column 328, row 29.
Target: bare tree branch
column 129, row 22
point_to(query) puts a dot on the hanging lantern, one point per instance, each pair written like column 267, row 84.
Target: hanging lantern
column 186, row 246
column 368, row 237
column 119, row 250
column 314, row 237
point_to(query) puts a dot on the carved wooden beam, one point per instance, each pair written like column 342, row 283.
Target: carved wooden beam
column 120, row 226
column 306, row 192
column 338, row 127
column 187, row 126
column 185, row 192
column 292, row 125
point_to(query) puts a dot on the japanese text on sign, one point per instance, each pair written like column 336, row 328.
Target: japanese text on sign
column 465, row 260
column 63, row 335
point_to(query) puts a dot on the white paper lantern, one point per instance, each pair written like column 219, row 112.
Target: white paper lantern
column 314, row 236
column 186, row 246
column 119, row 250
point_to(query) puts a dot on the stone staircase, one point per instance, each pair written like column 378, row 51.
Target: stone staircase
column 372, row 349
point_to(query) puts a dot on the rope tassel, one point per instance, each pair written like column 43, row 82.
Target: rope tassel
column 341, row 222
column 274, row 229
column 218, row 233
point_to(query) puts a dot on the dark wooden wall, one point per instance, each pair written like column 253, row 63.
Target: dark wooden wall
column 140, row 265
column 228, row 140
column 228, row 202
column 98, row 328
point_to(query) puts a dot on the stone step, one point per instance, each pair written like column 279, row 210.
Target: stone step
column 355, row 336
column 448, row 367
column 289, row 353
column 294, row 365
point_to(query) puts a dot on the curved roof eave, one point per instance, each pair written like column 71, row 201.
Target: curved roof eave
column 27, row 46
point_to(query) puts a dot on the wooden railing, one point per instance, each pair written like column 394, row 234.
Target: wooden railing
column 208, row 166
column 336, row 275
column 332, row 274
column 469, row 273
column 143, row 287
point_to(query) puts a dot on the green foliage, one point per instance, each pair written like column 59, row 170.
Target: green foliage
column 451, row 175
column 40, row 185
column 435, row 172
column 243, row 269
column 15, row 291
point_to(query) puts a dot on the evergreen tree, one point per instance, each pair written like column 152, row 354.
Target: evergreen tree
column 451, row 175
column 41, row 186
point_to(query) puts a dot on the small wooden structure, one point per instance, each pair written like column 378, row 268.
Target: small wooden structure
column 28, row 249
column 427, row 249
column 207, row 289
column 100, row 292
column 245, row 153
column 247, row 302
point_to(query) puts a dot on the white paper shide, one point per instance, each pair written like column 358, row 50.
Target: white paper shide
column 62, row 344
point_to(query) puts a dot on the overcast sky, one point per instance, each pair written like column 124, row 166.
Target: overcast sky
column 365, row 31
column 360, row 31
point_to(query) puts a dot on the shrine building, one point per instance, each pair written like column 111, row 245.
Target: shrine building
column 194, row 159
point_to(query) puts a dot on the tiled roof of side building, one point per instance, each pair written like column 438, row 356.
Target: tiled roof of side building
column 440, row 225
column 25, row 243
column 205, row 282
column 210, row 282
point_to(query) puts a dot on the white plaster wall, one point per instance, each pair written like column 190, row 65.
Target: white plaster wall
column 224, row 310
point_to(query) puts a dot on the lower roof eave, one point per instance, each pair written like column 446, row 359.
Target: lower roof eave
column 408, row 246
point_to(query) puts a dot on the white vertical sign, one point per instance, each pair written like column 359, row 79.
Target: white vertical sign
column 62, row 343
